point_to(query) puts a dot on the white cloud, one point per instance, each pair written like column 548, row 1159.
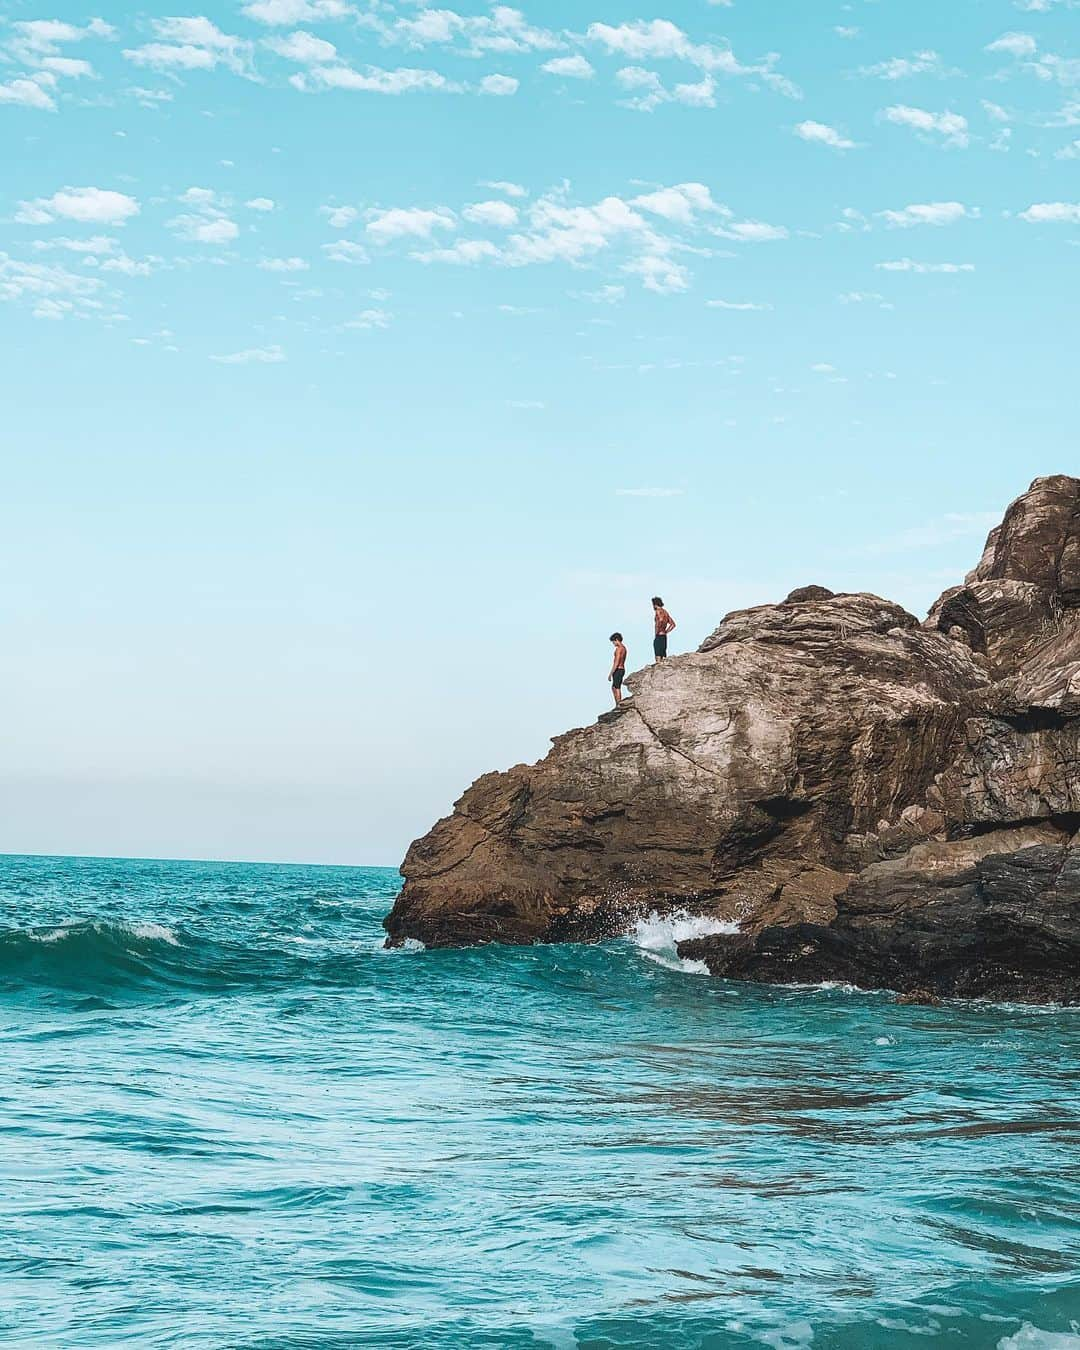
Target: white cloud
column 499, row 85
column 463, row 253
column 845, row 31
column 29, row 93
column 192, row 43
column 52, row 291
column 644, row 234
column 650, row 91
column 606, row 295
column 414, row 222
column 929, row 213
column 650, row 88
column 282, row 265
column 252, row 355
column 95, row 243
column 902, row 67
column 260, row 204
column 505, row 30
column 304, row 48
column 205, row 229
column 131, row 267
column 823, row 134
column 1052, row 213
column 996, row 112
column 339, row 217
column 574, row 67
column 1015, row 44
column 740, row 305
column 677, row 203
column 89, row 205
column 370, row 318
column 45, row 34
column 910, row 265
column 499, row 214
column 699, row 95
column 949, row 125
column 501, row 185
column 430, row 26
column 149, row 98
column 860, row 297
column 650, row 492
column 37, row 43
column 660, row 39
column 823, row 368
column 659, row 273
column 207, row 222
column 162, row 56
column 752, row 231
column 279, row 13
column 373, row 80
column 67, row 66
column 1070, row 151
column 345, row 251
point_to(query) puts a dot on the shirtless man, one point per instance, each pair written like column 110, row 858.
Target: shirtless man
column 664, row 624
column 618, row 666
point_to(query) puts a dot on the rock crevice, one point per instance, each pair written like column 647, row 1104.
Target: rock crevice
column 870, row 798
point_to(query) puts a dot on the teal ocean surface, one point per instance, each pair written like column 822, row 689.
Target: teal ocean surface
column 228, row 1118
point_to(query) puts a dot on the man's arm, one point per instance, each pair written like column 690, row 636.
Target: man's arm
column 669, row 623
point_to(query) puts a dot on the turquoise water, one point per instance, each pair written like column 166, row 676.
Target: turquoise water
column 229, row 1119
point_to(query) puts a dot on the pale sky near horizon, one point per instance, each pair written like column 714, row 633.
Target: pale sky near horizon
column 367, row 364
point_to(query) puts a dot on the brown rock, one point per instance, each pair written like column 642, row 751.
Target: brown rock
column 865, row 795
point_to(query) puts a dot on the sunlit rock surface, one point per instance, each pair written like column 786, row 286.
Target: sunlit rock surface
column 872, row 799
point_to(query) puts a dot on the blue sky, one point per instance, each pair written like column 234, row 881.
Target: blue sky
column 367, row 364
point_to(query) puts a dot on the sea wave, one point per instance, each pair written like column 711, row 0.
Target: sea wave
column 1031, row 1338
column 104, row 956
column 657, row 937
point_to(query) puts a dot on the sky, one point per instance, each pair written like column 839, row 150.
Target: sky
column 368, row 363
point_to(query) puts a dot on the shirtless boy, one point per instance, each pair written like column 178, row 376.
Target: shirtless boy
column 618, row 666
column 664, row 624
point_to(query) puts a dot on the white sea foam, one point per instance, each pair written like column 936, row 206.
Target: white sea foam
column 156, row 932
column 150, row 932
column 1031, row 1338
column 657, row 936
column 54, row 934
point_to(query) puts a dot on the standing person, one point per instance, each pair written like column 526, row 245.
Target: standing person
column 618, row 666
column 664, row 624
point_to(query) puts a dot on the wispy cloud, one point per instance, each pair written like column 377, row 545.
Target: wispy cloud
column 820, row 133
column 268, row 356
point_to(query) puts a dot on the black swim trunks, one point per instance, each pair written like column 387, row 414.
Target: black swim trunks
column 617, row 677
column 659, row 644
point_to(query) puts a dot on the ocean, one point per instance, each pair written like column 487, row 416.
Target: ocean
column 229, row 1118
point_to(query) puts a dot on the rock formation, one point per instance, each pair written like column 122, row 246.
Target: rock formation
column 872, row 799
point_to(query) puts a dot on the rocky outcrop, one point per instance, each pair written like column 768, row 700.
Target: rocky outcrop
column 872, row 799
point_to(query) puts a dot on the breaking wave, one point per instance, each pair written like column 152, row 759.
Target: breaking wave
column 657, row 937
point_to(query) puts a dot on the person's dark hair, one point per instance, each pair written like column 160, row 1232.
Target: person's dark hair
column 615, row 637
column 657, row 601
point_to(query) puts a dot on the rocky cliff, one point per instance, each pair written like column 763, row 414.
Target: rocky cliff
column 872, row 799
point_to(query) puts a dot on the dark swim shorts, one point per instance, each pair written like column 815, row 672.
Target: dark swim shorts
column 617, row 677
column 659, row 644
